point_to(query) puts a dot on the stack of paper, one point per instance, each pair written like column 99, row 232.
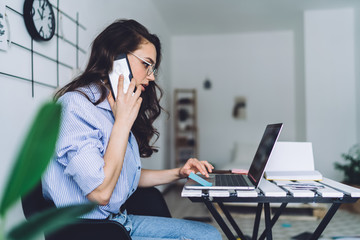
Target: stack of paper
column 292, row 161
column 293, row 175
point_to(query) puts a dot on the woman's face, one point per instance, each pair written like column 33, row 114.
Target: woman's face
column 139, row 63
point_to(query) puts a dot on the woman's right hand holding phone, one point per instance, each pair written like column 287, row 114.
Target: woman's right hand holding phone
column 126, row 105
column 125, row 108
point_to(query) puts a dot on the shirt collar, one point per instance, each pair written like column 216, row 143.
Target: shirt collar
column 96, row 94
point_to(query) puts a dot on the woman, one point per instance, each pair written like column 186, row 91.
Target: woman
column 101, row 139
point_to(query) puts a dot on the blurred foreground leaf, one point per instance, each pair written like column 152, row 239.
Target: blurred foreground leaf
column 48, row 221
column 34, row 156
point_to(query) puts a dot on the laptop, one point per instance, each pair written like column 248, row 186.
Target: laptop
column 256, row 171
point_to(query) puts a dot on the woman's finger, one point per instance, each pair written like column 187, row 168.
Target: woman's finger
column 138, row 104
column 120, row 85
column 137, row 93
column 111, row 101
column 208, row 166
column 201, row 168
column 131, row 88
column 110, row 98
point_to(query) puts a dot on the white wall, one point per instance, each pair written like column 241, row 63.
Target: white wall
column 258, row 66
column 330, row 85
column 307, row 69
column 19, row 106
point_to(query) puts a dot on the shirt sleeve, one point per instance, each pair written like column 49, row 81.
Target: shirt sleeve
column 80, row 147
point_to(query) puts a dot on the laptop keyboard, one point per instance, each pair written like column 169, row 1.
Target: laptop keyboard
column 230, row 180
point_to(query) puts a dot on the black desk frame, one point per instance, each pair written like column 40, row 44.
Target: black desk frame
column 264, row 203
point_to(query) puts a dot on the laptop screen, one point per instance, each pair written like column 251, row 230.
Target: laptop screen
column 263, row 152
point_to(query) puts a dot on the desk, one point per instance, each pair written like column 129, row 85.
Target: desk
column 269, row 192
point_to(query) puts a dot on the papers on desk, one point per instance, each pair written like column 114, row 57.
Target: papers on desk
column 292, row 161
column 297, row 189
column 302, row 185
column 309, row 188
column 293, row 175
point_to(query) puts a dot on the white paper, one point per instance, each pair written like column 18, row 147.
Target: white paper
column 291, row 156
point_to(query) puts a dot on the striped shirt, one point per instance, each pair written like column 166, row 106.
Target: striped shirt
column 78, row 166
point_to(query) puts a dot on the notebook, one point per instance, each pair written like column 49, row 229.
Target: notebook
column 256, row 170
column 292, row 161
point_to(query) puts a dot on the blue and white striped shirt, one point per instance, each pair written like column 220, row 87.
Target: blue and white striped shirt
column 78, row 166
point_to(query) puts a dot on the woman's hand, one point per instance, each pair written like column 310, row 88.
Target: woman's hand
column 126, row 105
column 193, row 166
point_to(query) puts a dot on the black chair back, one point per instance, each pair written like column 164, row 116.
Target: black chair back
column 89, row 229
column 145, row 201
column 34, row 202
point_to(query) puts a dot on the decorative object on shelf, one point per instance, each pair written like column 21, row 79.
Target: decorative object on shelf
column 239, row 109
column 39, row 19
column 185, row 125
column 207, row 84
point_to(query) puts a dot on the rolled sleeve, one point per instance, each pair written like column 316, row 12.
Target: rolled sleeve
column 87, row 169
column 80, row 148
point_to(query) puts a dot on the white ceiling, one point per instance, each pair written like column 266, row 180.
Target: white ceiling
column 188, row 17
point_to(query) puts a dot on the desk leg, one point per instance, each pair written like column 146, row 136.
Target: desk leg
column 334, row 207
column 232, row 221
column 268, row 221
column 274, row 219
column 257, row 221
column 219, row 220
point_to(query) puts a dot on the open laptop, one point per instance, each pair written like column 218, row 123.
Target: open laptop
column 256, row 171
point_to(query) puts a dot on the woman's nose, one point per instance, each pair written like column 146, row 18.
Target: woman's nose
column 151, row 77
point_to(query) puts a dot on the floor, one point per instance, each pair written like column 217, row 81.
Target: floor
column 344, row 223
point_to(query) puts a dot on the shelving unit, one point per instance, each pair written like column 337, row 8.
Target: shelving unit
column 186, row 136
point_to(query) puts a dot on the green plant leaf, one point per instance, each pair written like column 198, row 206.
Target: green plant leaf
column 48, row 221
column 34, row 156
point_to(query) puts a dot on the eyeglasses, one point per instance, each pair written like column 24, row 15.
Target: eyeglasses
column 150, row 68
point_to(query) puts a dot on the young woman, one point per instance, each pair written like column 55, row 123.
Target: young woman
column 101, row 139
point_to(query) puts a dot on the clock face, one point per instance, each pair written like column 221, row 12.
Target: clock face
column 39, row 19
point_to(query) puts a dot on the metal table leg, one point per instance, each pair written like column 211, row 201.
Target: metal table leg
column 331, row 212
column 232, row 221
column 268, row 221
column 257, row 221
column 219, row 220
column 274, row 219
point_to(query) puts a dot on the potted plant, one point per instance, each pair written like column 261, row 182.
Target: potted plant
column 351, row 170
column 31, row 162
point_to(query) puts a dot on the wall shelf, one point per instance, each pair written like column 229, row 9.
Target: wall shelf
column 186, row 131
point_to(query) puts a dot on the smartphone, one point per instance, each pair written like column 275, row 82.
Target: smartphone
column 121, row 66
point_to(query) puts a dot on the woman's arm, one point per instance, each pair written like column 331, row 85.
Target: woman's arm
column 150, row 178
column 125, row 110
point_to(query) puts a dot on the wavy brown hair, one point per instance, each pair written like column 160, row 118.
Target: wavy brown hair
column 123, row 36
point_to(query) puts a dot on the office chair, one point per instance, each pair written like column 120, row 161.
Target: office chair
column 144, row 201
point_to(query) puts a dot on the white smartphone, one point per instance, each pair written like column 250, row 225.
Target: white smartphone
column 121, row 66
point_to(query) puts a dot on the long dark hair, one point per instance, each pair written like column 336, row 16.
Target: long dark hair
column 123, row 36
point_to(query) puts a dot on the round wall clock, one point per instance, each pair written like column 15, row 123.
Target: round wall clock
column 39, row 19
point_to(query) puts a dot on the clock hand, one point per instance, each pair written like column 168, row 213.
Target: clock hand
column 43, row 5
column 41, row 14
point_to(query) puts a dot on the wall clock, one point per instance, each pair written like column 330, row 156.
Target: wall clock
column 39, row 19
